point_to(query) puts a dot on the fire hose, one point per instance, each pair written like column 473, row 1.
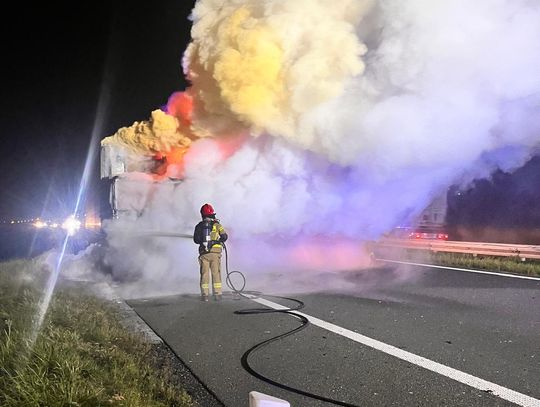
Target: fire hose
column 242, row 292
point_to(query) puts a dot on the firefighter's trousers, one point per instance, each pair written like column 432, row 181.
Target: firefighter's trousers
column 210, row 262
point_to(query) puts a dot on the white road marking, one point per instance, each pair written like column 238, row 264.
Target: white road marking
column 460, row 269
column 462, row 377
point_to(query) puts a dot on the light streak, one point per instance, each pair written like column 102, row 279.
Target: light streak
column 102, row 106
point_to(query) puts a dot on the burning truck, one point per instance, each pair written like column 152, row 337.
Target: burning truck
column 249, row 91
column 136, row 174
column 346, row 130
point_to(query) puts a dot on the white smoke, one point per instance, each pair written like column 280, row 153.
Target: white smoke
column 450, row 92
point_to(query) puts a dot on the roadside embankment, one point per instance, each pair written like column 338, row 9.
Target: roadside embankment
column 82, row 354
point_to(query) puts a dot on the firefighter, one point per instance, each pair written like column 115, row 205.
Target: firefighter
column 209, row 235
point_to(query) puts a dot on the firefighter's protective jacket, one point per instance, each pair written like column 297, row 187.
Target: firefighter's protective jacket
column 217, row 236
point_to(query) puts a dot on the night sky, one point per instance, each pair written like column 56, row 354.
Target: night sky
column 56, row 57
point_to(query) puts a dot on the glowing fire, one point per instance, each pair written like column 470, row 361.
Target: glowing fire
column 175, row 157
column 180, row 105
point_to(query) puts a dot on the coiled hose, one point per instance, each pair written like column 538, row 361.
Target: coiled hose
column 290, row 311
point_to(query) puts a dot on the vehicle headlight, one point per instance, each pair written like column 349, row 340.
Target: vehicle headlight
column 71, row 225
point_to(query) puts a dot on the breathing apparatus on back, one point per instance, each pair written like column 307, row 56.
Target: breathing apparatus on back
column 207, row 226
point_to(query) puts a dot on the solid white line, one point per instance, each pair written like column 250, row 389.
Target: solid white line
column 465, row 378
column 460, row 269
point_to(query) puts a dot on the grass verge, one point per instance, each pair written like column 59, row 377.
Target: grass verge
column 82, row 355
column 491, row 263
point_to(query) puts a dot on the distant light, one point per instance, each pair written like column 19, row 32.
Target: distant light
column 92, row 225
column 39, row 224
column 71, row 225
column 54, row 225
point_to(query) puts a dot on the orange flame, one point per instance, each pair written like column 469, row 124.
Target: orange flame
column 170, row 163
column 180, row 105
column 176, row 155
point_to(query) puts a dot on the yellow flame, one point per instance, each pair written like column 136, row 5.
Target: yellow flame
column 248, row 69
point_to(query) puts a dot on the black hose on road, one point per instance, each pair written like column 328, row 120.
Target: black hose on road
column 290, row 311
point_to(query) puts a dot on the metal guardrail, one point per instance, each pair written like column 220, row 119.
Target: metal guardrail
column 475, row 248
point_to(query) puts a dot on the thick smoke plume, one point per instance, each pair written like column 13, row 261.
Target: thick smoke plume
column 266, row 64
column 320, row 123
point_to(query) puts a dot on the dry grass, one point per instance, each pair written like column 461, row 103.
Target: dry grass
column 503, row 264
column 82, row 356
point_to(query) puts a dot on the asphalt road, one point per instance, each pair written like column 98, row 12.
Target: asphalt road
column 485, row 327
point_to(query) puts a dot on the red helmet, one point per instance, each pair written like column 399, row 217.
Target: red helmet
column 207, row 210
